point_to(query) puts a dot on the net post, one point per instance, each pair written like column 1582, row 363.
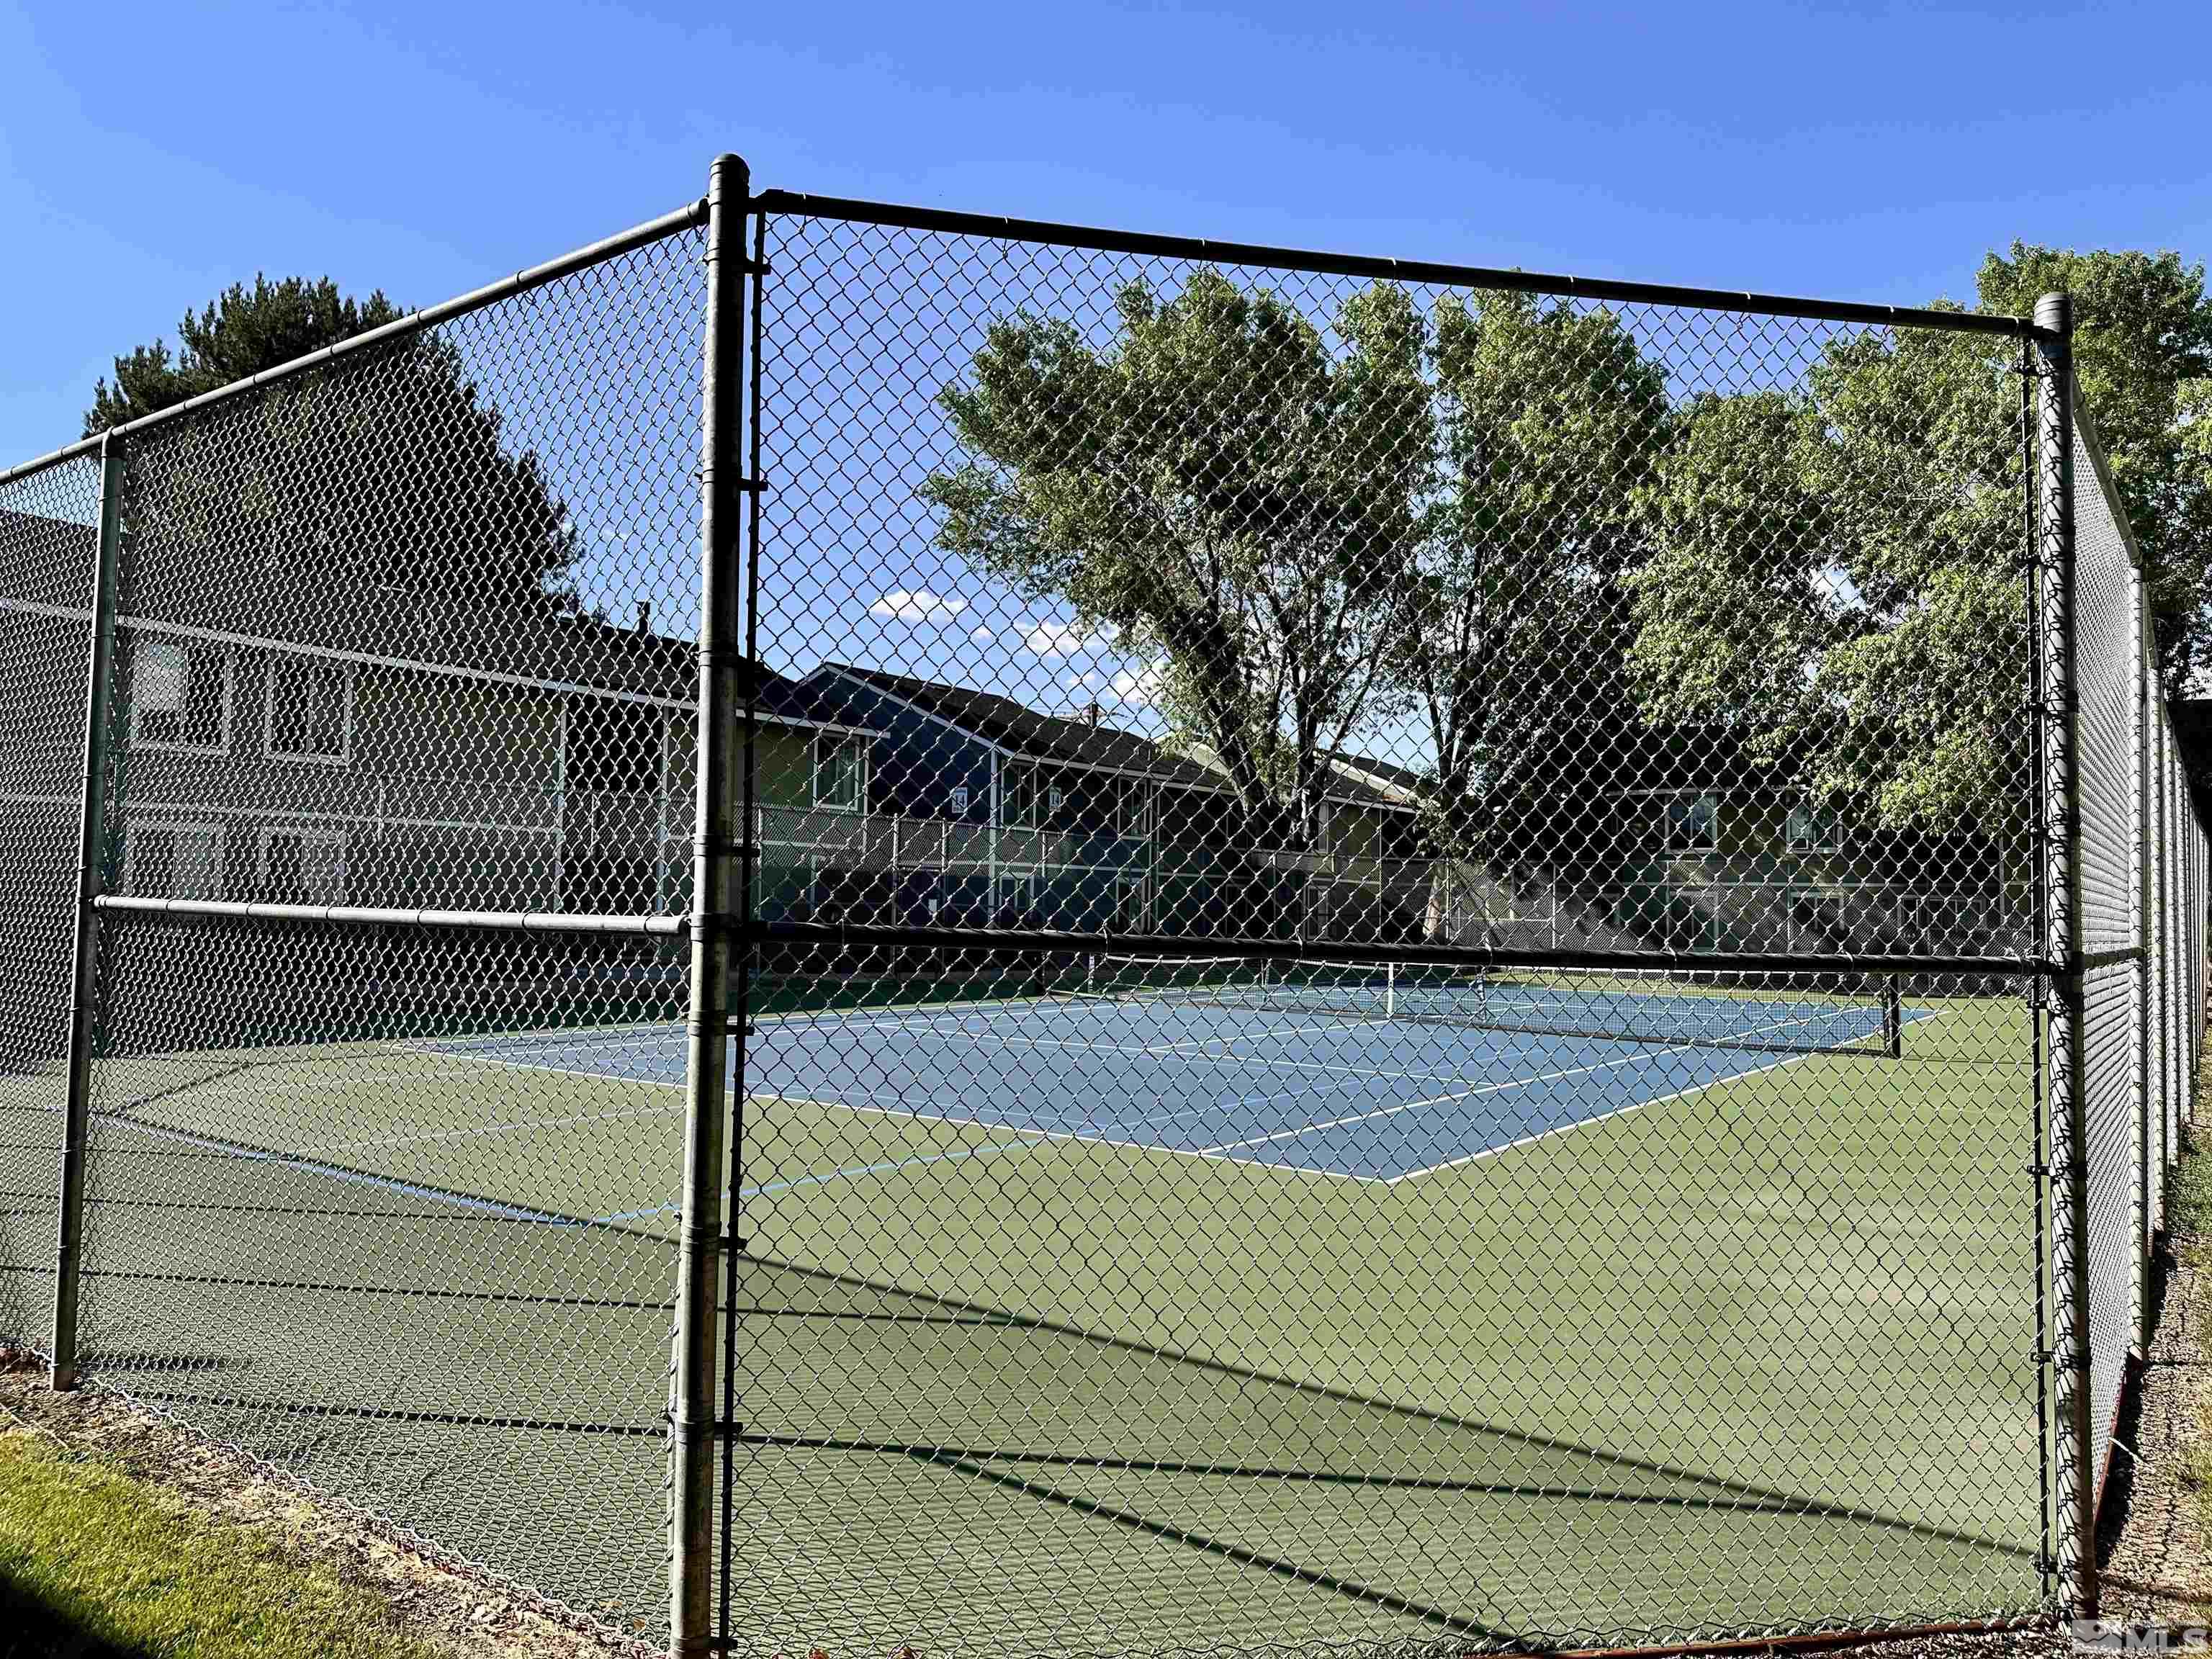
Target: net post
column 1892, row 1017
column 692, row 1402
column 2074, row 1501
column 76, row 1120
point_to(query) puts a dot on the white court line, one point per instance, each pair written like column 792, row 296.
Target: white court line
column 946, row 1114
column 931, row 1021
column 1069, row 1135
column 1618, row 1111
column 508, row 1127
column 1225, row 1152
column 1284, row 1063
column 920, row 1117
column 1585, row 1122
column 565, row 1071
column 1500, row 1088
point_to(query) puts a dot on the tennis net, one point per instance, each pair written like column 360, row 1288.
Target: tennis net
column 1656, row 1006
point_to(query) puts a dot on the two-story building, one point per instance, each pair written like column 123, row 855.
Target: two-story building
column 983, row 810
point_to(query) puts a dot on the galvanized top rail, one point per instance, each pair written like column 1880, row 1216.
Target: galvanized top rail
column 1403, row 270
column 692, row 213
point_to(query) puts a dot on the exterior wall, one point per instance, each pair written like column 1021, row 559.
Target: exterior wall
column 41, row 757
column 918, row 766
column 449, row 794
column 1751, row 889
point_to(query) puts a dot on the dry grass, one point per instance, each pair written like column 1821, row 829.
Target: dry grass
column 121, row 1532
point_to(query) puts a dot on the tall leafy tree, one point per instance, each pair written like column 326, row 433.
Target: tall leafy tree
column 2142, row 359
column 392, row 475
column 1836, row 578
column 1225, row 490
column 1837, row 567
column 1548, row 419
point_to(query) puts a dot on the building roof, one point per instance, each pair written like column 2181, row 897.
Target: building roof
column 45, row 566
column 1019, row 729
column 1398, row 783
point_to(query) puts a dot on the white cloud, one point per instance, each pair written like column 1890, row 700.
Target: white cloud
column 1138, row 687
column 917, row 607
column 981, row 634
column 1140, row 684
column 1059, row 639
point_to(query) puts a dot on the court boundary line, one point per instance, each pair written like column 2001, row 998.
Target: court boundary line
column 1618, row 1111
column 1046, row 1136
column 1223, row 1153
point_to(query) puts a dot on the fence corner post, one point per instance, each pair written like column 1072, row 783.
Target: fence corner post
column 694, row 1427
column 2076, row 1499
column 76, row 1112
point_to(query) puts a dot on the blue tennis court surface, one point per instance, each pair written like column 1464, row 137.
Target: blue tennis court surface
column 1334, row 1094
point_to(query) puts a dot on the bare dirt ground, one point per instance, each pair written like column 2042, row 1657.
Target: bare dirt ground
column 2157, row 1568
column 439, row 1602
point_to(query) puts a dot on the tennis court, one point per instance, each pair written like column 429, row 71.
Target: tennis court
column 1364, row 1073
column 1255, row 1303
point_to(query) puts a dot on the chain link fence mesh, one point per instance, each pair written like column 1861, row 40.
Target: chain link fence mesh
column 414, row 630
column 2112, row 796
column 1269, row 627
column 1400, row 973
column 2129, row 780
column 48, row 519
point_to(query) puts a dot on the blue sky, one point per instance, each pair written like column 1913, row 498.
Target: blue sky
column 149, row 157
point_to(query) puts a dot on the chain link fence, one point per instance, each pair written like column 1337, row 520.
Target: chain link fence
column 1412, row 959
column 400, row 650
column 2141, row 844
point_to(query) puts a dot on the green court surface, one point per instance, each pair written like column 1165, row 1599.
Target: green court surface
column 1754, row 1352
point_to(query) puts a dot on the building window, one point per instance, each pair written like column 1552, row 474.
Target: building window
column 611, row 747
column 173, row 860
column 1812, row 829
column 302, row 865
column 837, row 765
column 1817, row 921
column 1692, row 823
column 1018, row 898
column 310, row 712
column 1129, row 905
column 180, row 696
column 1133, row 810
column 1018, row 796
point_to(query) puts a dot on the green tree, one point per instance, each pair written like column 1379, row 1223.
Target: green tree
column 1511, row 651
column 1836, row 578
column 2142, row 359
column 389, row 474
column 1836, row 574
column 1225, row 491
column 240, row 332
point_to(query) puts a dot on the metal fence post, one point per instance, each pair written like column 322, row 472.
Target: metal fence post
column 2150, row 1155
column 2075, row 1501
column 692, row 1414
column 76, row 1118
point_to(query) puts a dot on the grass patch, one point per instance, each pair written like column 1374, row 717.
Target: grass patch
column 2189, row 1230
column 93, row 1563
column 2189, row 1204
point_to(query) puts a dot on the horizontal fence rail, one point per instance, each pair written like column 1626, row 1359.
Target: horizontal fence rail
column 844, row 928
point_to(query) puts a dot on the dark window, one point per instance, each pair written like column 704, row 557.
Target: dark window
column 181, row 693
